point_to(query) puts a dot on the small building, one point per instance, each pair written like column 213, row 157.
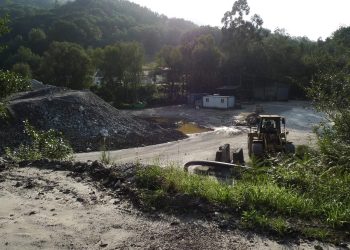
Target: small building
column 218, row 101
column 196, row 99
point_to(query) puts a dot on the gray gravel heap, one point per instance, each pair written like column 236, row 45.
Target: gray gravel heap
column 84, row 119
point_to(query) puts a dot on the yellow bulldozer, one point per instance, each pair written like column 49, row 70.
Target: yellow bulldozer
column 268, row 137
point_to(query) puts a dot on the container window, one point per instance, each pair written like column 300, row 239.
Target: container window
column 222, row 100
column 206, row 99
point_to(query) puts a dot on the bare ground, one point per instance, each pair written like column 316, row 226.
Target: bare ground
column 48, row 209
column 300, row 116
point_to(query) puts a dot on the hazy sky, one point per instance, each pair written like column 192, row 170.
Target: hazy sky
column 311, row 18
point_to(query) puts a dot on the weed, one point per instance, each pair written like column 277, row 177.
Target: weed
column 105, row 157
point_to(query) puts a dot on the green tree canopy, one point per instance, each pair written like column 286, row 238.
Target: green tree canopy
column 66, row 64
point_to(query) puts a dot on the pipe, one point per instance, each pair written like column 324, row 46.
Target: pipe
column 212, row 164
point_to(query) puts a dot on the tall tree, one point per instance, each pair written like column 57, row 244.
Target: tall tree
column 66, row 64
column 121, row 66
column 206, row 61
column 170, row 61
column 239, row 34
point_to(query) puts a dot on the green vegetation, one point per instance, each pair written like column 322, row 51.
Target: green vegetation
column 67, row 64
column 296, row 195
column 44, row 145
column 10, row 83
column 111, row 39
column 105, row 157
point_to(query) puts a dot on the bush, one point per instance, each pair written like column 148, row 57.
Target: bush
column 11, row 83
column 44, row 144
column 3, row 111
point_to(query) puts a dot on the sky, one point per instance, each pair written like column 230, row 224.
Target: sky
column 312, row 18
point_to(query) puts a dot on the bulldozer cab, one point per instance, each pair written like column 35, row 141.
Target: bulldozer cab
column 269, row 136
column 271, row 124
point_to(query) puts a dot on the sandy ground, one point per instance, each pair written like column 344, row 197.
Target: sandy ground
column 45, row 209
column 300, row 116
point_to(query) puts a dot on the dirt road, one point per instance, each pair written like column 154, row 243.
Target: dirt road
column 300, row 120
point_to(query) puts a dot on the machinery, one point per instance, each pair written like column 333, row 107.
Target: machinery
column 269, row 136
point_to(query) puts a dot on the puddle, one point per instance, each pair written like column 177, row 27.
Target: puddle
column 183, row 126
column 191, row 128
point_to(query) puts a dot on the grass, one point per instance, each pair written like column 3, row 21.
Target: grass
column 292, row 196
column 105, row 156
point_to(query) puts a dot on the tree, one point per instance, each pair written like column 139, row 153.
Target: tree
column 171, row 61
column 22, row 69
column 206, row 61
column 121, row 66
column 239, row 35
column 66, row 64
column 3, row 28
column 37, row 40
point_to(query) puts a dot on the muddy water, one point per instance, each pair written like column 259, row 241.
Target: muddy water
column 181, row 125
column 191, row 128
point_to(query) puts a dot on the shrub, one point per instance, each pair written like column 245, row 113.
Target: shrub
column 44, row 144
column 11, row 83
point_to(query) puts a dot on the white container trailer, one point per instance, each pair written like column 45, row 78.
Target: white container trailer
column 218, row 101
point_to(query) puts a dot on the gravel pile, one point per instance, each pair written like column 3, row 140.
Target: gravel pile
column 84, row 119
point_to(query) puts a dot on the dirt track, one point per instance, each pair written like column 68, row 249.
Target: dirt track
column 300, row 121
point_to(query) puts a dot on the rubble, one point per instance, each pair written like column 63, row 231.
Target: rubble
column 85, row 120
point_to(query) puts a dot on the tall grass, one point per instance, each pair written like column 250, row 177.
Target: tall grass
column 296, row 189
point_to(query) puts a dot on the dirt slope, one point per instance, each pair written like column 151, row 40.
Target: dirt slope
column 83, row 118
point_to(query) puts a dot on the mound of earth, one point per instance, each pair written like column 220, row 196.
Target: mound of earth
column 82, row 117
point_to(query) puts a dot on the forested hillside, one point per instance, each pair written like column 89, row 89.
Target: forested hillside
column 35, row 3
column 88, row 23
column 68, row 43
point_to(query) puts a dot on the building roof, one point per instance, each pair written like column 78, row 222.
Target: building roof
column 219, row 96
column 271, row 116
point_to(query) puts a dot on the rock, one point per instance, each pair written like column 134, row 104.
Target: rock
column 344, row 245
column 32, row 212
column 18, row 184
column 175, row 223
column 79, row 199
column 103, row 244
column 318, row 247
column 114, row 201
